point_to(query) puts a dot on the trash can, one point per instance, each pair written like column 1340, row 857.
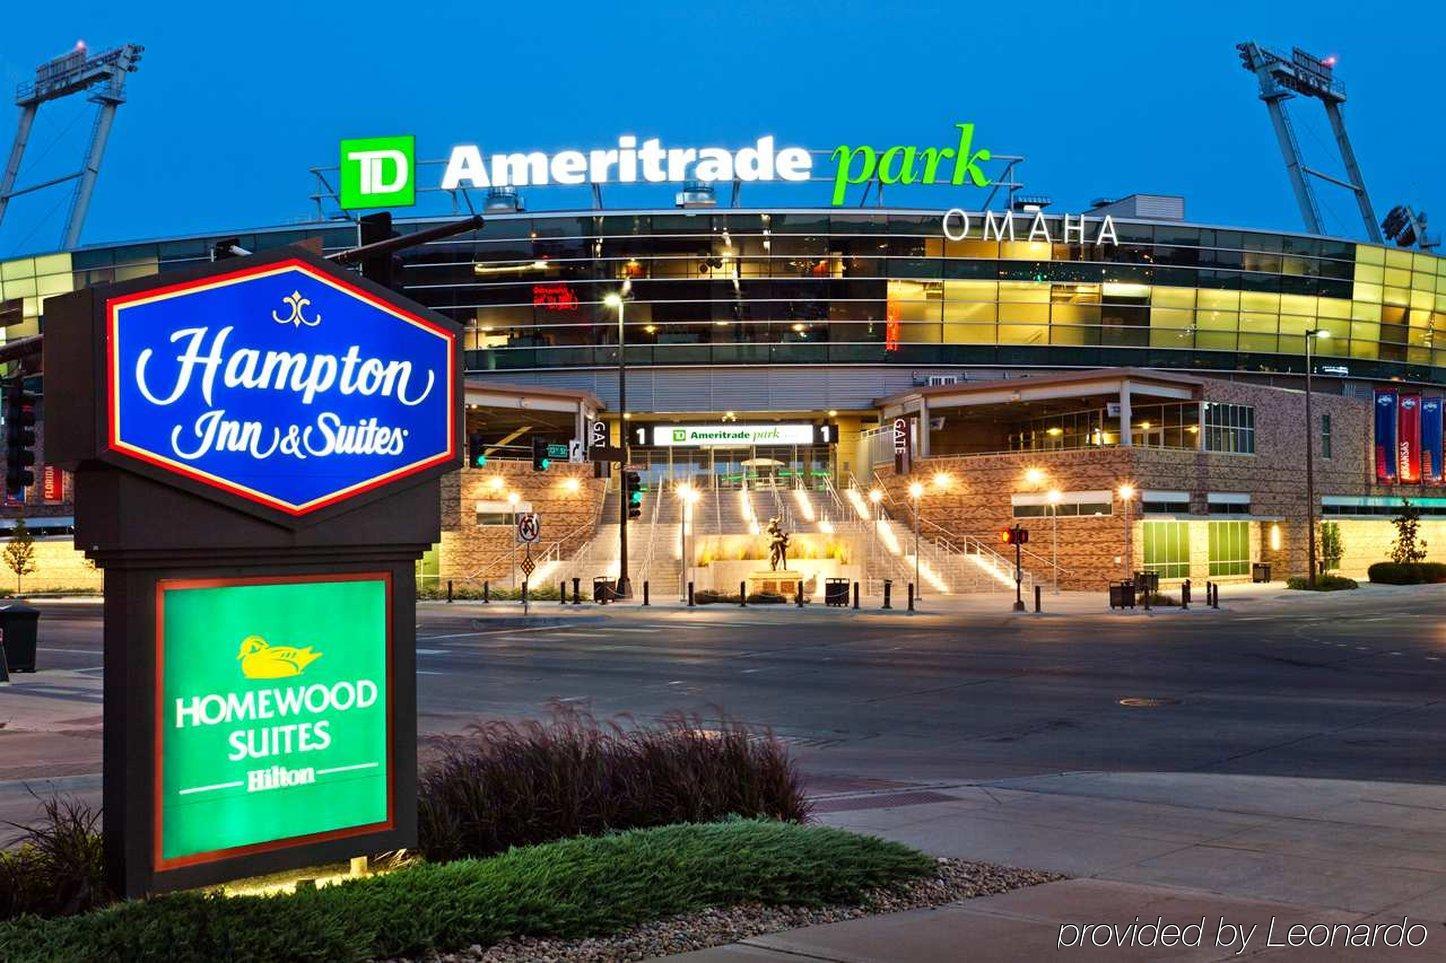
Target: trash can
column 1122, row 595
column 836, row 592
column 1147, row 582
column 1260, row 572
column 19, row 624
column 603, row 590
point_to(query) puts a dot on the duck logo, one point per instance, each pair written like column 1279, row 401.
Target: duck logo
column 261, row 660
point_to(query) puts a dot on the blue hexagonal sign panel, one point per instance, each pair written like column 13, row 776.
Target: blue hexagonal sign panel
column 281, row 383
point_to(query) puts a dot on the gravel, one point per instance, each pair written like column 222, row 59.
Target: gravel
column 956, row 880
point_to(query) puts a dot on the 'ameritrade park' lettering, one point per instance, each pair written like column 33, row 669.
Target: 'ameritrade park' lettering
column 204, row 358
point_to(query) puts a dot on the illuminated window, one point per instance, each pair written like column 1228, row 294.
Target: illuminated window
column 1167, row 548
column 1229, row 548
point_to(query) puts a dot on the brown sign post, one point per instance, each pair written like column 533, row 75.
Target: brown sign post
column 257, row 446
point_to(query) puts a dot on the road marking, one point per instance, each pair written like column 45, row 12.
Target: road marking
column 431, row 651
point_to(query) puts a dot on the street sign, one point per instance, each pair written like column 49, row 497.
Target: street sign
column 597, row 434
column 281, row 383
column 527, row 566
column 529, row 527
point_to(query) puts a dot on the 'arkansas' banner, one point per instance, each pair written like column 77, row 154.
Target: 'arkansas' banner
column 1408, row 440
column 1431, row 441
column 1386, row 436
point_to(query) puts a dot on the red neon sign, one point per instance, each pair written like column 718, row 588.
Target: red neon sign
column 554, row 297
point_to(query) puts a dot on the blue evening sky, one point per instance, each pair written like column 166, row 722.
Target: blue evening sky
column 233, row 102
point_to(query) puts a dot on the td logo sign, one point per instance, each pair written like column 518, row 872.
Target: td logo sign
column 378, row 172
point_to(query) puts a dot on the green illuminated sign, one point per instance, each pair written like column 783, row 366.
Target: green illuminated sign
column 901, row 164
column 378, row 172
column 273, row 713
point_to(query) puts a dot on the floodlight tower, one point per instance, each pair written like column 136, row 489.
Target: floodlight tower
column 75, row 72
column 1302, row 74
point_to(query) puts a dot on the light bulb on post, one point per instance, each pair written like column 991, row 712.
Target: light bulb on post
column 943, row 480
column 916, row 490
column 1034, row 476
column 875, row 495
column 1127, row 492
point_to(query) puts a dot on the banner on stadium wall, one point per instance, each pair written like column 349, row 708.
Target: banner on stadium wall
column 1408, row 439
column 1385, row 436
column 1431, row 438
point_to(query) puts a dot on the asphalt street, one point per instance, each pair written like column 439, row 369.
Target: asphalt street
column 1341, row 688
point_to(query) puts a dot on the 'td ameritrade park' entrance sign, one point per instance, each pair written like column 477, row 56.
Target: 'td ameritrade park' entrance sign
column 257, row 447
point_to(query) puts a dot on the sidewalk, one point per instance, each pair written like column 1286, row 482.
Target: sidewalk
column 1180, row 846
column 1238, row 598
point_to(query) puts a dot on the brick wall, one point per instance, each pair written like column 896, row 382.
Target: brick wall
column 977, row 501
column 472, row 551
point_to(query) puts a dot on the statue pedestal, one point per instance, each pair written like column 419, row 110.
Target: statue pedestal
column 778, row 583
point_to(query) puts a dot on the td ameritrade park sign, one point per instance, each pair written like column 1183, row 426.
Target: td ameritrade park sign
column 281, row 383
column 381, row 171
column 273, row 714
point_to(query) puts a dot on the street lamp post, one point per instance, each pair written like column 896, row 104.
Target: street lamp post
column 618, row 300
column 1310, row 337
column 688, row 495
column 876, row 515
column 916, row 492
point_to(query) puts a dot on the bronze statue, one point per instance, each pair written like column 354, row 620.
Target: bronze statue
column 778, row 551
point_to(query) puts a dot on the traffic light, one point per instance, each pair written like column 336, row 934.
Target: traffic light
column 540, row 459
column 19, row 438
column 384, row 269
column 476, row 451
column 1014, row 535
column 634, row 483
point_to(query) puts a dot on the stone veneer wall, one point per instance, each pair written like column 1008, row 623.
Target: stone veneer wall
column 472, row 551
column 977, row 500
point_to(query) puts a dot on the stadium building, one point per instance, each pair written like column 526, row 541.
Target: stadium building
column 894, row 385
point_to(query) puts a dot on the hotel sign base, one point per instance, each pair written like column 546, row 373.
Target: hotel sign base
column 257, row 447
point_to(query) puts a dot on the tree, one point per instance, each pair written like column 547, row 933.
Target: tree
column 1331, row 550
column 20, row 552
column 1409, row 547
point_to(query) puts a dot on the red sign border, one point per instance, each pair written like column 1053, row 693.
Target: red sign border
column 112, row 405
column 159, row 863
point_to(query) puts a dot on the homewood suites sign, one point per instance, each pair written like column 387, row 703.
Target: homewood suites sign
column 280, row 383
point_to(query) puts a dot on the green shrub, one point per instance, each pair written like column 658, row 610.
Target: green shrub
column 569, row 889
column 1161, row 599
column 505, row 784
column 473, row 593
column 57, row 868
column 1323, row 583
column 1407, row 573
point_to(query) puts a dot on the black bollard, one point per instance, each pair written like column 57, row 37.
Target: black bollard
column 742, row 595
column 799, row 600
column 911, row 596
column 645, row 591
column 576, row 590
column 888, row 591
column 1037, row 607
column 449, row 591
column 1185, row 594
column 1146, row 595
column 690, row 595
column 856, row 596
column 562, row 592
column 486, row 592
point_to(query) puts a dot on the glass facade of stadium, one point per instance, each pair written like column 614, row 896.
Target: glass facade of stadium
column 733, row 287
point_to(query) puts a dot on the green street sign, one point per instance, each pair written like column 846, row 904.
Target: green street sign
column 272, row 715
column 378, row 172
column 557, row 451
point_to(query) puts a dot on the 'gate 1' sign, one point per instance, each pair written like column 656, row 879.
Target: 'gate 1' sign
column 278, row 383
column 273, row 714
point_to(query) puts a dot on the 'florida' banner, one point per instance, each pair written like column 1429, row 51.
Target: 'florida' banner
column 1386, row 436
column 1431, row 441
column 1408, row 439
